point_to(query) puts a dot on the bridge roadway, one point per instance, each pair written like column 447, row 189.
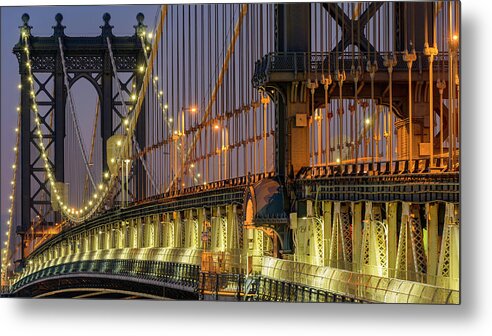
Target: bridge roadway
column 145, row 250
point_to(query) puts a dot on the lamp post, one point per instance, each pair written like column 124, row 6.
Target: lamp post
column 182, row 134
column 224, row 147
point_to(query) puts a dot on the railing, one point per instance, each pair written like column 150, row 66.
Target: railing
column 220, row 286
column 356, row 285
column 282, row 291
column 183, row 275
column 327, row 62
column 167, row 255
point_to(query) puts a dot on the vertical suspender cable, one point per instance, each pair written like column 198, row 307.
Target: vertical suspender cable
column 72, row 110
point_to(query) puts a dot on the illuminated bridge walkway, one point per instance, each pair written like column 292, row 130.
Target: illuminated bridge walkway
column 268, row 159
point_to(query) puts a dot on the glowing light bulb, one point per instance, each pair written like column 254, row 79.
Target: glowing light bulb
column 193, row 109
column 149, row 35
column 192, row 165
column 141, row 68
column 156, row 78
column 455, row 37
column 19, row 86
column 134, row 97
column 368, row 121
column 101, row 186
column 338, row 160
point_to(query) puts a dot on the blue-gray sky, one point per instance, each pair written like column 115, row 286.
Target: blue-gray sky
column 79, row 21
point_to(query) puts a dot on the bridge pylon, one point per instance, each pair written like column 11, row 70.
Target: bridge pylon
column 84, row 58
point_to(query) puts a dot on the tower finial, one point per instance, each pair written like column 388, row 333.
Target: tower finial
column 107, row 29
column 59, row 29
column 140, row 28
column 25, row 28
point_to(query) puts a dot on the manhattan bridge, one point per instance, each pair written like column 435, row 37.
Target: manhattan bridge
column 249, row 152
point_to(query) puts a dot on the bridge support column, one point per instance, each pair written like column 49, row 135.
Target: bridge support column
column 140, row 226
column 293, row 22
column 341, row 238
column 156, row 225
column 327, row 207
column 107, row 234
column 356, row 235
column 191, row 230
column 168, row 231
column 178, row 230
column 134, row 228
column 448, row 268
column 148, row 232
column 203, row 227
column 432, row 218
column 374, row 252
column 410, row 263
column 392, row 248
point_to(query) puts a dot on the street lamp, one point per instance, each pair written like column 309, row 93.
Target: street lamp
column 224, row 146
column 181, row 134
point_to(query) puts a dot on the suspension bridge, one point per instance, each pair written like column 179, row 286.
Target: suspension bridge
column 268, row 152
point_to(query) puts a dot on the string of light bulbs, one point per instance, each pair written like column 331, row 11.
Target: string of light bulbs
column 5, row 253
column 73, row 214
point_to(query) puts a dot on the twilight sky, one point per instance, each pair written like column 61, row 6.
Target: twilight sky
column 79, row 21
